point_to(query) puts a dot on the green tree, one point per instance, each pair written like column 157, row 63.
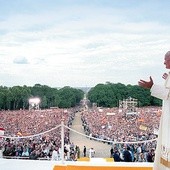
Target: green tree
column 109, row 94
column 44, row 102
column 69, row 97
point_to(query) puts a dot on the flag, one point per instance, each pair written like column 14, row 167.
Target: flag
column 140, row 120
column 19, row 134
column 2, row 130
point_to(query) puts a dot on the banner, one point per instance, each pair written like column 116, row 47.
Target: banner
column 110, row 114
column 142, row 127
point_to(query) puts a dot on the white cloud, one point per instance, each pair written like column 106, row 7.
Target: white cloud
column 82, row 47
column 20, row 60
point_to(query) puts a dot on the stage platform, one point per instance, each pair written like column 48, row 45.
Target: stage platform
column 93, row 164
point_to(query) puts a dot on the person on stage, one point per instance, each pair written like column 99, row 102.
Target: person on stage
column 162, row 155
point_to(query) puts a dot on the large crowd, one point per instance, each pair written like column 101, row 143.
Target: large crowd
column 137, row 131
column 113, row 124
column 109, row 124
column 31, row 123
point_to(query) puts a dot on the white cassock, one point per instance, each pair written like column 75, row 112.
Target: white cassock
column 162, row 156
column 91, row 153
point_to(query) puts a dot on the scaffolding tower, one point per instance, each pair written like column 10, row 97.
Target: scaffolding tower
column 129, row 106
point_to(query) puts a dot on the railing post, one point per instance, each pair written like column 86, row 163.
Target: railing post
column 62, row 141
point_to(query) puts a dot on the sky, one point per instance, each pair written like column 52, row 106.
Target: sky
column 81, row 43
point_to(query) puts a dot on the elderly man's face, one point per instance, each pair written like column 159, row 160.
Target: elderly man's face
column 167, row 61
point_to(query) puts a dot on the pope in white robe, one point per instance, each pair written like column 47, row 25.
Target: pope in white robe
column 162, row 155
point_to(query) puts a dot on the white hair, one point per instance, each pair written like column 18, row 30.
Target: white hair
column 167, row 54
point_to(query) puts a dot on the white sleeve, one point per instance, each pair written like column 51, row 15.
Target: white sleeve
column 167, row 82
column 160, row 92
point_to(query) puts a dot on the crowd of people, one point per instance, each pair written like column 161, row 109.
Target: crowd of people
column 31, row 123
column 109, row 124
column 143, row 152
column 120, row 129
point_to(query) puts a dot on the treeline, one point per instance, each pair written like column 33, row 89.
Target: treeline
column 104, row 95
column 109, row 94
column 16, row 97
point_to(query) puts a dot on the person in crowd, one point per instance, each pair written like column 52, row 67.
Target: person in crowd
column 116, row 155
column 151, row 156
column 127, row 155
column 18, row 151
column 141, row 158
column 111, row 152
column 25, row 152
column 77, row 151
column 91, row 153
column 138, row 152
column 55, row 154
column 72, row 157
column 84, row 151
column 33, row 155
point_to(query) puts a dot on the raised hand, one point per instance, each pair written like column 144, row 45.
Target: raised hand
column 146, row 84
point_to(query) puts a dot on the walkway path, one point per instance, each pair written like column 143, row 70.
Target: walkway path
column 102, row 150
